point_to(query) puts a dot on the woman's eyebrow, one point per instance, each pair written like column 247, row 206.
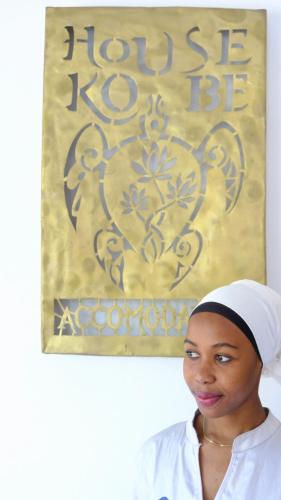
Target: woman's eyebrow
column 225, row 344
column 219, row 344
column 189, row 342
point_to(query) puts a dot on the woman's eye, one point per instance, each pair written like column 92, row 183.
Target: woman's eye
column 192, row 354
column 223, row 359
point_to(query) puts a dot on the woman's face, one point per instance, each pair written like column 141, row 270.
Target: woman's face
column 221, row 367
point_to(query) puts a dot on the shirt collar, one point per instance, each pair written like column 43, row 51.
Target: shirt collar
column 244, row 441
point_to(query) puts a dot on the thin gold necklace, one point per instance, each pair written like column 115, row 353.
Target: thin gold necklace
column 210, row 440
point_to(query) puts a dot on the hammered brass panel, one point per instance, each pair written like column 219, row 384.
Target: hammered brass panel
column 153, row 171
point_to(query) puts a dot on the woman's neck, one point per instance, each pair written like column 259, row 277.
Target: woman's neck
column 228, row 427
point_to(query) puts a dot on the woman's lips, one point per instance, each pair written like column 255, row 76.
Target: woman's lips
column 207, row 398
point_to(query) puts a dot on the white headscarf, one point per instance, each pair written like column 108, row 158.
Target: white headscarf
column 260, row 307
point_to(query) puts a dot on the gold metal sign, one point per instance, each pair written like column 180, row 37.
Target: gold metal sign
column 153, row 171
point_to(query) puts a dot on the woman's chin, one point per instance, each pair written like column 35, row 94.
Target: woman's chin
column 213, row 409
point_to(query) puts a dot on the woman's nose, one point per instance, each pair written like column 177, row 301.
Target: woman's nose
column 205, row 374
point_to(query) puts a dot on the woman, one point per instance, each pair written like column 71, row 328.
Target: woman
column 232, row 447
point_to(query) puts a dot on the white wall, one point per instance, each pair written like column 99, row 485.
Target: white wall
column 70, row 425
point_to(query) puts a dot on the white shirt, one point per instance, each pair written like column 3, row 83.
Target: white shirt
column 168, row 466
